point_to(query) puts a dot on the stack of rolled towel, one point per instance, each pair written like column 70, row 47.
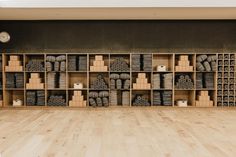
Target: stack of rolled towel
column 156, row 98
column 51, row 80
column 113, row 97
column 14, row 80
column 206, row 62
column 167, row 98
column 147, row 62
column 125, row 98
column 167, row 80
column 156, row 81
column 162, row 81
column 72, row 63
column 99, row 99
column 141, row 100
column 162, row 98
column 119, row 64
column 56, row 100
column 35, row 98
column 54, row 63
column 184, row 81
column 209, row 80
column 35, row 65
column 19, row 80
column 136, row 62
column 199, row 80
column 120, row 81
column 62, row 80
column 82, row 63
column 99, row 83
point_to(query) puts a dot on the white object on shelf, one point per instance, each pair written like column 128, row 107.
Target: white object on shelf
column 4, row 37
column 78, row 85
column 182, row 103
column 17, row 102
column 161, row 68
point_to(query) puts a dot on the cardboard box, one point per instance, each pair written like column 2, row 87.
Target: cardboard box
column 78, row 93
column 35, row 75
column 14, row 58
column 98, row 63
column 98, row 57
column 183, row 57
column 141, row 75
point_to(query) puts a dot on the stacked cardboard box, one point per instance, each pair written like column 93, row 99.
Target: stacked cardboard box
column 183, row 64
column 77, row 100
column 35, row 82
column 203, row 100
column 14, row 64
column 141, row 82
column 98, row 64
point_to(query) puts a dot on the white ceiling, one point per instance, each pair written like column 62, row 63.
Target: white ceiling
column 115, row 3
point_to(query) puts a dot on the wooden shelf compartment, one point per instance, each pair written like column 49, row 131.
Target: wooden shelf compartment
column 120, row 98
column 6, row 58
column 11, row 95
column 126, row 58
column 211, row 94
column 191, row 60
column 62, row 93
column 31, row 57
column 77, row 62
column 163, row 59
column 28, row 77
column 145, row 94
column 105, row 58
column 93, row 77
column 185, row 95
column 38, row 96
column 134, row 80
column 77, row 78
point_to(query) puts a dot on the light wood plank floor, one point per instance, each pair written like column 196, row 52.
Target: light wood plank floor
column 118, row 132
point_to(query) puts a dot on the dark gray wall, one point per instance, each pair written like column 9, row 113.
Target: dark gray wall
column 118, row 35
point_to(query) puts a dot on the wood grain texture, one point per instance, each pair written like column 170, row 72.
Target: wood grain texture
column 121, row 132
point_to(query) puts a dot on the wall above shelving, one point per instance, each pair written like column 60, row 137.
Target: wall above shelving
column 119, row 35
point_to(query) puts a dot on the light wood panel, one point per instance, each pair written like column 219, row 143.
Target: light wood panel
column 119, row 132
column 117, row 13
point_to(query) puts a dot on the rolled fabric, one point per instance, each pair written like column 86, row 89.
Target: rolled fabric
column 93, row 94
column 92, row 102
column 187, row 77
column 211, row 58
column 63, row 66
column 49, row 66
column 213, row 66
column 114, row 76
column 207, row 66
column 126, row 84
column 118, row 84
column 103, row 94
column 201, row 58
column 56, row 66
column 51, row 58
column 124, row 76
column 61, row 58
column 200, row 67
column 99, row 102
column 105, row 101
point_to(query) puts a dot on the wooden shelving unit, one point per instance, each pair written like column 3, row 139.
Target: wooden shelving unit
column 222, row 93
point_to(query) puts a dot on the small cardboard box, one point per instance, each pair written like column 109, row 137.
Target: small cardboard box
column 98, row 57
